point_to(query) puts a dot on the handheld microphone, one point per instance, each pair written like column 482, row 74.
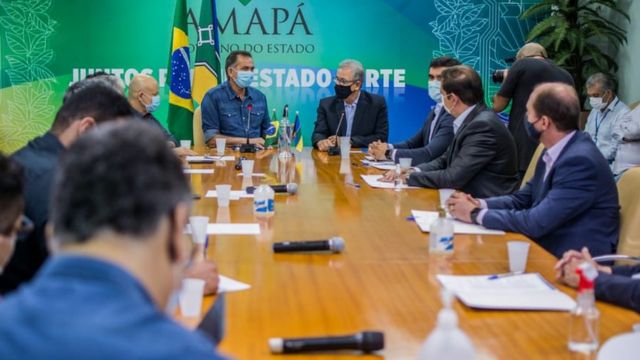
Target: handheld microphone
column 248, row 148
column 335, row 244
column 366, row 341
column 290, row 188
column 238, row 164
column 335, row 150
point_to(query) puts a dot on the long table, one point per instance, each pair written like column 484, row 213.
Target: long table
column 384, row 280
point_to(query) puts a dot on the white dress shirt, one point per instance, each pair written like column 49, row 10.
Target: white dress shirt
column 628, row 130
column 601, row 124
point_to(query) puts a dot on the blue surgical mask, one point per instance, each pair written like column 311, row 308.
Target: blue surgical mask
column 244, row 79
column 533, row 133
column 153, row 106
column 434, row 91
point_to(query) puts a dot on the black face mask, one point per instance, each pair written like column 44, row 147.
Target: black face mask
column 342, row 91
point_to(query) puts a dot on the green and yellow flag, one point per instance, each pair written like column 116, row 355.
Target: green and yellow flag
column 271, row 138
column 206, row 74
column 179, row 77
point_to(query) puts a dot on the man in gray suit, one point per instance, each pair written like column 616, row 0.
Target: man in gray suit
column 481, row 160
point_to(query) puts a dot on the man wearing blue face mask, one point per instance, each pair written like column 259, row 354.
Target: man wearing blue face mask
column 571, row 201
column 607, row 111
column 234, row 110
column 145, row 99
column 435, row 135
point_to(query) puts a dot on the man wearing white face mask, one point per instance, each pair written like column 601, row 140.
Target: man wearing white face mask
column 607, row 110
column 234, row 110
column 145, row 99
column 435, row 135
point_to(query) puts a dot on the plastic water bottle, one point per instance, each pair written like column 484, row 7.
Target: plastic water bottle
column 263, row 199
column 441, row 234
column 397, row 180
column 585, row 317
column 447, row 341
column 284, row 142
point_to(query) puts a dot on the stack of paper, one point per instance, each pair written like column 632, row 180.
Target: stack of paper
column 227, row 284
column 229, row 229
column 424, row 219
column 517, row 292
column 209, row 158
column 374, row 182
column 198, row 171
column 382, row 165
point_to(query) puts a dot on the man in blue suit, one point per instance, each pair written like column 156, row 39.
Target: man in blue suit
column 437, row 132
column 572, row 200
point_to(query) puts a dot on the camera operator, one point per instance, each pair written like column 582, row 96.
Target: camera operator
column 530, row 69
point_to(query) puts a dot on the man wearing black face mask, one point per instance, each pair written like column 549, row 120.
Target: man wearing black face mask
column 571, row 201
column 351, row 112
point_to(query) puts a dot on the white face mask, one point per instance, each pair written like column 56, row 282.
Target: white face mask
column 434, row 91
column 596, row 103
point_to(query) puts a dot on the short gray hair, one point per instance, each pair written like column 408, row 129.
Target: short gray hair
column 355, row 66
column 605, row 82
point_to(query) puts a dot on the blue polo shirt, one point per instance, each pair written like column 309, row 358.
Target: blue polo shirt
column 83, row 308
column 224, row 113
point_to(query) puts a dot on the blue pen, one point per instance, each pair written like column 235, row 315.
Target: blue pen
column 500, row 276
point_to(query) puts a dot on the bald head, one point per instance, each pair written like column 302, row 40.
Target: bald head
column 557, row 101
column 531, row 50
column 142, row 89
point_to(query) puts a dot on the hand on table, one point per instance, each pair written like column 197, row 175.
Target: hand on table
column 566, row 267
column 378, row 149
column 207, row 271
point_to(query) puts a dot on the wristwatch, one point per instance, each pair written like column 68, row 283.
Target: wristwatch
column 474, row 215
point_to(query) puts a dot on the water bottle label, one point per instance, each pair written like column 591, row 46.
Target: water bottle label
column 445, row 243
column 270, row 205
column 261, row 206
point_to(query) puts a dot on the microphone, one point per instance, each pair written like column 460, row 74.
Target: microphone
column 366, row 341
column 248, row 148
column 335, row 244
column 290, row 188
column 335, row 150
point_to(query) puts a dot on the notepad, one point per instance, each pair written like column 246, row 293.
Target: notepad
column 198, row 171
column 229, row 229
column 228, row 284
column 518, row 292
column 209, row 159
column 374, row 182
column 424, row 219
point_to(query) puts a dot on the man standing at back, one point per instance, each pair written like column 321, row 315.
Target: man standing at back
column 103, row 293
column 481, row 159
column 530, row 69
column 572, row 200
column 435, row 135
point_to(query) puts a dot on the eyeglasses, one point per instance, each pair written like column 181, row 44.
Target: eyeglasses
column 343, row 82
column 23, row 228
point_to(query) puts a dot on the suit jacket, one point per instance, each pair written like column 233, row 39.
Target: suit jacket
column 480, row 161
column 419, row 148
column 575, row 206
column 619, row 288
column 370, row 121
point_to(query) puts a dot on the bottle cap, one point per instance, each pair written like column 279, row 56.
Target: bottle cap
column 587, row 274
column 442, row 212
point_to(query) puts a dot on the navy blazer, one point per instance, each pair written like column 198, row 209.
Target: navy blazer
column 370, row 122
column 419, row 148
column 575, row 206
column 619, row 288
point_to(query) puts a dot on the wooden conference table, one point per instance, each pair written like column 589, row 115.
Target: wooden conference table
column 384, row 280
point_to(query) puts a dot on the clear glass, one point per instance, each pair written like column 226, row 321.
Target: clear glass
column 584, row 325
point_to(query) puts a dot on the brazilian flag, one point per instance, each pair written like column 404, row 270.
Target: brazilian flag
column 179, row 78
column 297, row 133
column 272, row 133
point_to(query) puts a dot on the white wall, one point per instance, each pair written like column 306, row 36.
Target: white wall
column 629, row 55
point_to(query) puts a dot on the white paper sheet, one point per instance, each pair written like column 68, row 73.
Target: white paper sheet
column 235, row 194
column 210, row 158
column 229, row 229
column 373, row 162
column 383, row 166
column 228, row 284
column 373, row 181
column 198, row 171
column 517, row 292
column 424, row 219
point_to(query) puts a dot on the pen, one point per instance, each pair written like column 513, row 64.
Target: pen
column 500, row 276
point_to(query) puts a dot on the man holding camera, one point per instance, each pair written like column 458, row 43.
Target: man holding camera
column 530, row 69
